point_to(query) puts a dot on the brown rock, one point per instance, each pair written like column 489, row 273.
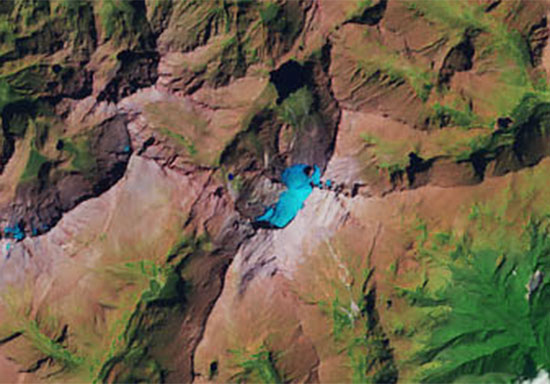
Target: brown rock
column 449, row 173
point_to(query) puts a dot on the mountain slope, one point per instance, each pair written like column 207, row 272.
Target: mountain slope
column 140, row 139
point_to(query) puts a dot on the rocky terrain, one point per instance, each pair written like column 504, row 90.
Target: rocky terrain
column 141, row 138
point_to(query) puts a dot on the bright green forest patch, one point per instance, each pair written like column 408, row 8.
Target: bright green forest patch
column 492, row 316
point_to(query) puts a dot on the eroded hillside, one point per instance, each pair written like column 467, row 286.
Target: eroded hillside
column 140, row 139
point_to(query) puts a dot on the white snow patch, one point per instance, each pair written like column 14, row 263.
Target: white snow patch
column 542, row 378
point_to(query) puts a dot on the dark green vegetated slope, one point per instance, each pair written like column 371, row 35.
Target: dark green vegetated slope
column 258, row 367
column 495, row 325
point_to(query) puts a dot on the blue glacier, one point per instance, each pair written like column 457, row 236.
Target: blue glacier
column 299, row 180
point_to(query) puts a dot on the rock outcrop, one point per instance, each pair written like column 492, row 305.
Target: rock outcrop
column 139, row 140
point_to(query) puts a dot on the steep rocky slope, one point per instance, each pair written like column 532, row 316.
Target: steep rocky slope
column 141, row 138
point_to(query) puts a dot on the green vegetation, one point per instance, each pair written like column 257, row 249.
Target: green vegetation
column 446, row 115
column 362, row 4
column 30, row 80
column 184, row 127
column 457, row 16
column 358, row 360
column 528, row 107
column 183, row 246
column 356, row 331
column 273, row 17
column 8, row 94
column 251, row 55
column 204, row 14
column 186, row 245
column 118, row 17
column 181, row 140
column 159, row 6
column 128, row 350
column 32, row 12
column 132, row 363
column 252, row 142
column 371, row 360
column 78, row 17
column 129, row 359
column 229, row 43
column 7, row 35
column 66, row 5
column 80, row 151
column 391, row 155
column 18, row 125
column 532, row 112
column 360, row 8
column 343, row 318
column 396, row 69
column 138, row 367
column 69, row 7
column 296, row 108
column 269, row 12
column 238, row 183
column 162, row 281
column 499, row 48
column 34, row 164
column 31, row 331
column 258, row 367
column 482, row 143
column 36, row 329
column 491, row 317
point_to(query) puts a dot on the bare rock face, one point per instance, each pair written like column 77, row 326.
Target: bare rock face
column 459, row 58
column 538, row 37
column 312, row 140
column 370, row 15
column 140, row 139
column 40, row 204
column 136, row 70
column 448, row 173
column 315, row 144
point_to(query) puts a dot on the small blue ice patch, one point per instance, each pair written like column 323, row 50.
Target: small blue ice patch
column 16, row 231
